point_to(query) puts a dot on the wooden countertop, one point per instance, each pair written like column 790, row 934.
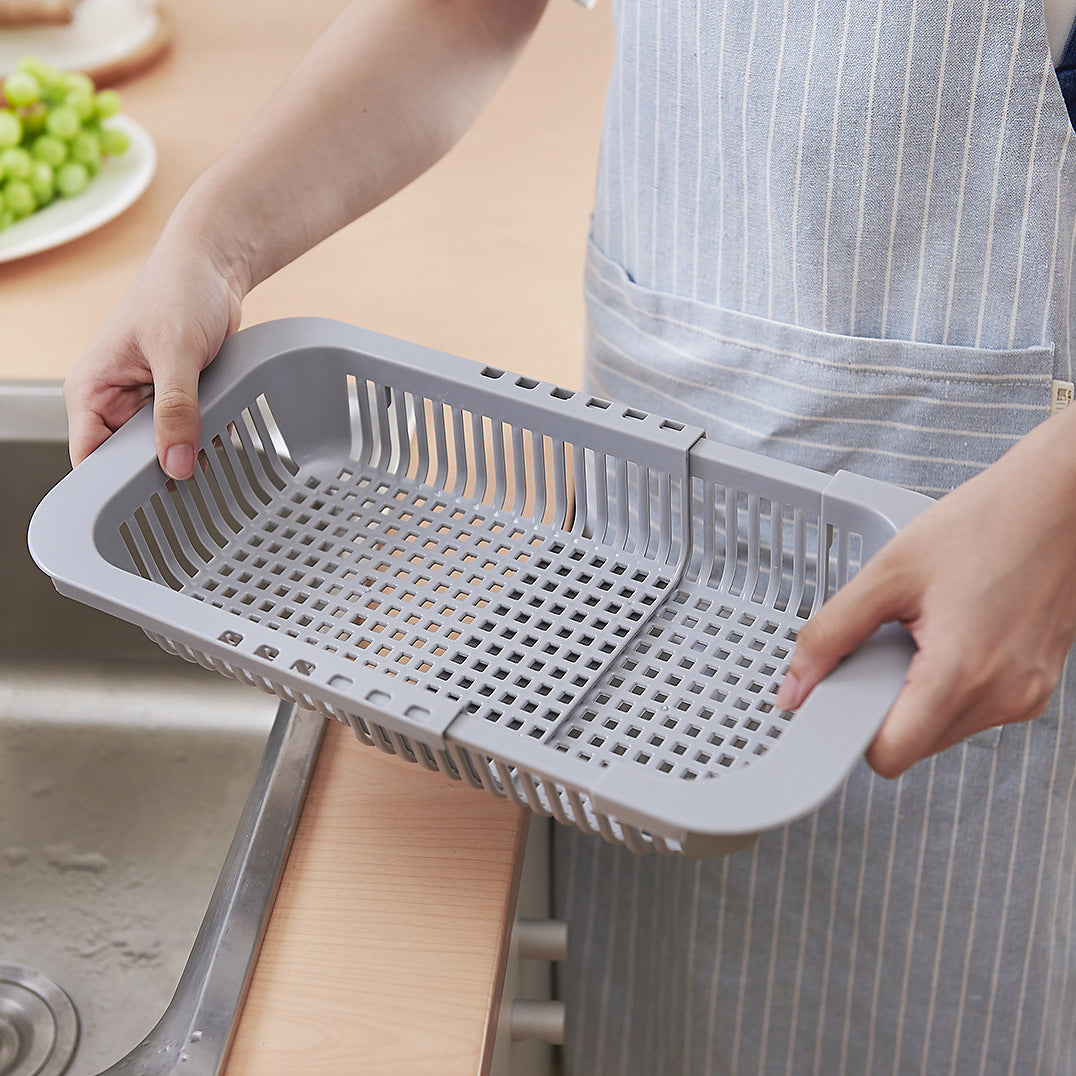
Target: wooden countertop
column 390, row 929
column 387, row 939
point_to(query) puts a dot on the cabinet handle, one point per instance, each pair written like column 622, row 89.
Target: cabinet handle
column 537, row 1020
column 542, row 939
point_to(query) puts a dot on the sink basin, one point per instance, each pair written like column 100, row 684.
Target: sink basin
column 146, row 810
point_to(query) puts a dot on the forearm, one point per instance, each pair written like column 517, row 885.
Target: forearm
column 380, row 97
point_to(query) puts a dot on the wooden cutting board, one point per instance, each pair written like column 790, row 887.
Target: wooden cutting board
column 138, row 59
column 119, row 46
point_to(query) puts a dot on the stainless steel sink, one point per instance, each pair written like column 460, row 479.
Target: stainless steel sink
column 146, row 810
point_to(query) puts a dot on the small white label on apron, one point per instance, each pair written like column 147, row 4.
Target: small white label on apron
column 1060, row 395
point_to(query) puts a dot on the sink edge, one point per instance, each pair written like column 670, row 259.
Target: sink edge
column 195, row 1033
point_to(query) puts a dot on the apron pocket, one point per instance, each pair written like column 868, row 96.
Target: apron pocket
column 925, row 416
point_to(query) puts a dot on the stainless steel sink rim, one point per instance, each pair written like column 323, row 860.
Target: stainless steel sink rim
column 38, row 1024
column 195, row 1033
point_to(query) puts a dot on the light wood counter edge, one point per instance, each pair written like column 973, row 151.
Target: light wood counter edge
column 348, row 967
column 496, row 995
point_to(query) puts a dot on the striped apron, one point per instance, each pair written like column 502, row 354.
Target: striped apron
column 841, row 233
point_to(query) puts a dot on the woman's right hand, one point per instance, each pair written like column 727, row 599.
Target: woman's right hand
column 155, row 343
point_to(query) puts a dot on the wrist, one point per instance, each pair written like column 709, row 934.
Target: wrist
column 1041, row 466
column 203, row 226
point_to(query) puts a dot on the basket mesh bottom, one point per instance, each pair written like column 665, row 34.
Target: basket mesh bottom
column 517, row 620
column 693, row 695
column 513, row 618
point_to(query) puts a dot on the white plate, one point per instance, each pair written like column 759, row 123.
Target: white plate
column 115, row 188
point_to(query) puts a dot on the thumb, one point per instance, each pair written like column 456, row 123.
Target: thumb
column 845, row 621
column 177, row 423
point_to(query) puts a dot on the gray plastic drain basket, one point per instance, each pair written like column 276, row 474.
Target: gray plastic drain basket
column 567, row 602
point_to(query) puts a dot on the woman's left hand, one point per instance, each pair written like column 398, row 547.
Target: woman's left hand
column 985, row 582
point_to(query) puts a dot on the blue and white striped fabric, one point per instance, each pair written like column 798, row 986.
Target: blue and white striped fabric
column 842, row 234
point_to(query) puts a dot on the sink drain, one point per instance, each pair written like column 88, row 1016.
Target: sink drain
column 38, row 1024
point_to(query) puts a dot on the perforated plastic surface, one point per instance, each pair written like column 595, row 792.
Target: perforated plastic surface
column 538, row 592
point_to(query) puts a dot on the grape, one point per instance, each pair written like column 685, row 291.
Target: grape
column 63, row 122
column 44, row 72
column 77, row 82
column 21, row 89
column 107, row 103
column 19, row 197
column 86, row 147
column 81, row 103
column 49, row 149
column 15, row 162
column 114, row 142
column 10, row 128
column 33, row 120
column 42, row 182
column 72, row 179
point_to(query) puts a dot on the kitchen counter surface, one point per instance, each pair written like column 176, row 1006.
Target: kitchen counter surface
column 388, row 937
column 482, row 256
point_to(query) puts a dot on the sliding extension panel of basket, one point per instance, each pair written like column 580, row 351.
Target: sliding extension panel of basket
column 571, row 603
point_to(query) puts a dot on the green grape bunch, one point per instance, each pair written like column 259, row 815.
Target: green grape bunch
column 53, row 136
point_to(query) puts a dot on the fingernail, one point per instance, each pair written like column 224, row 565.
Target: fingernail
column 179, row 462
column 788, row 694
